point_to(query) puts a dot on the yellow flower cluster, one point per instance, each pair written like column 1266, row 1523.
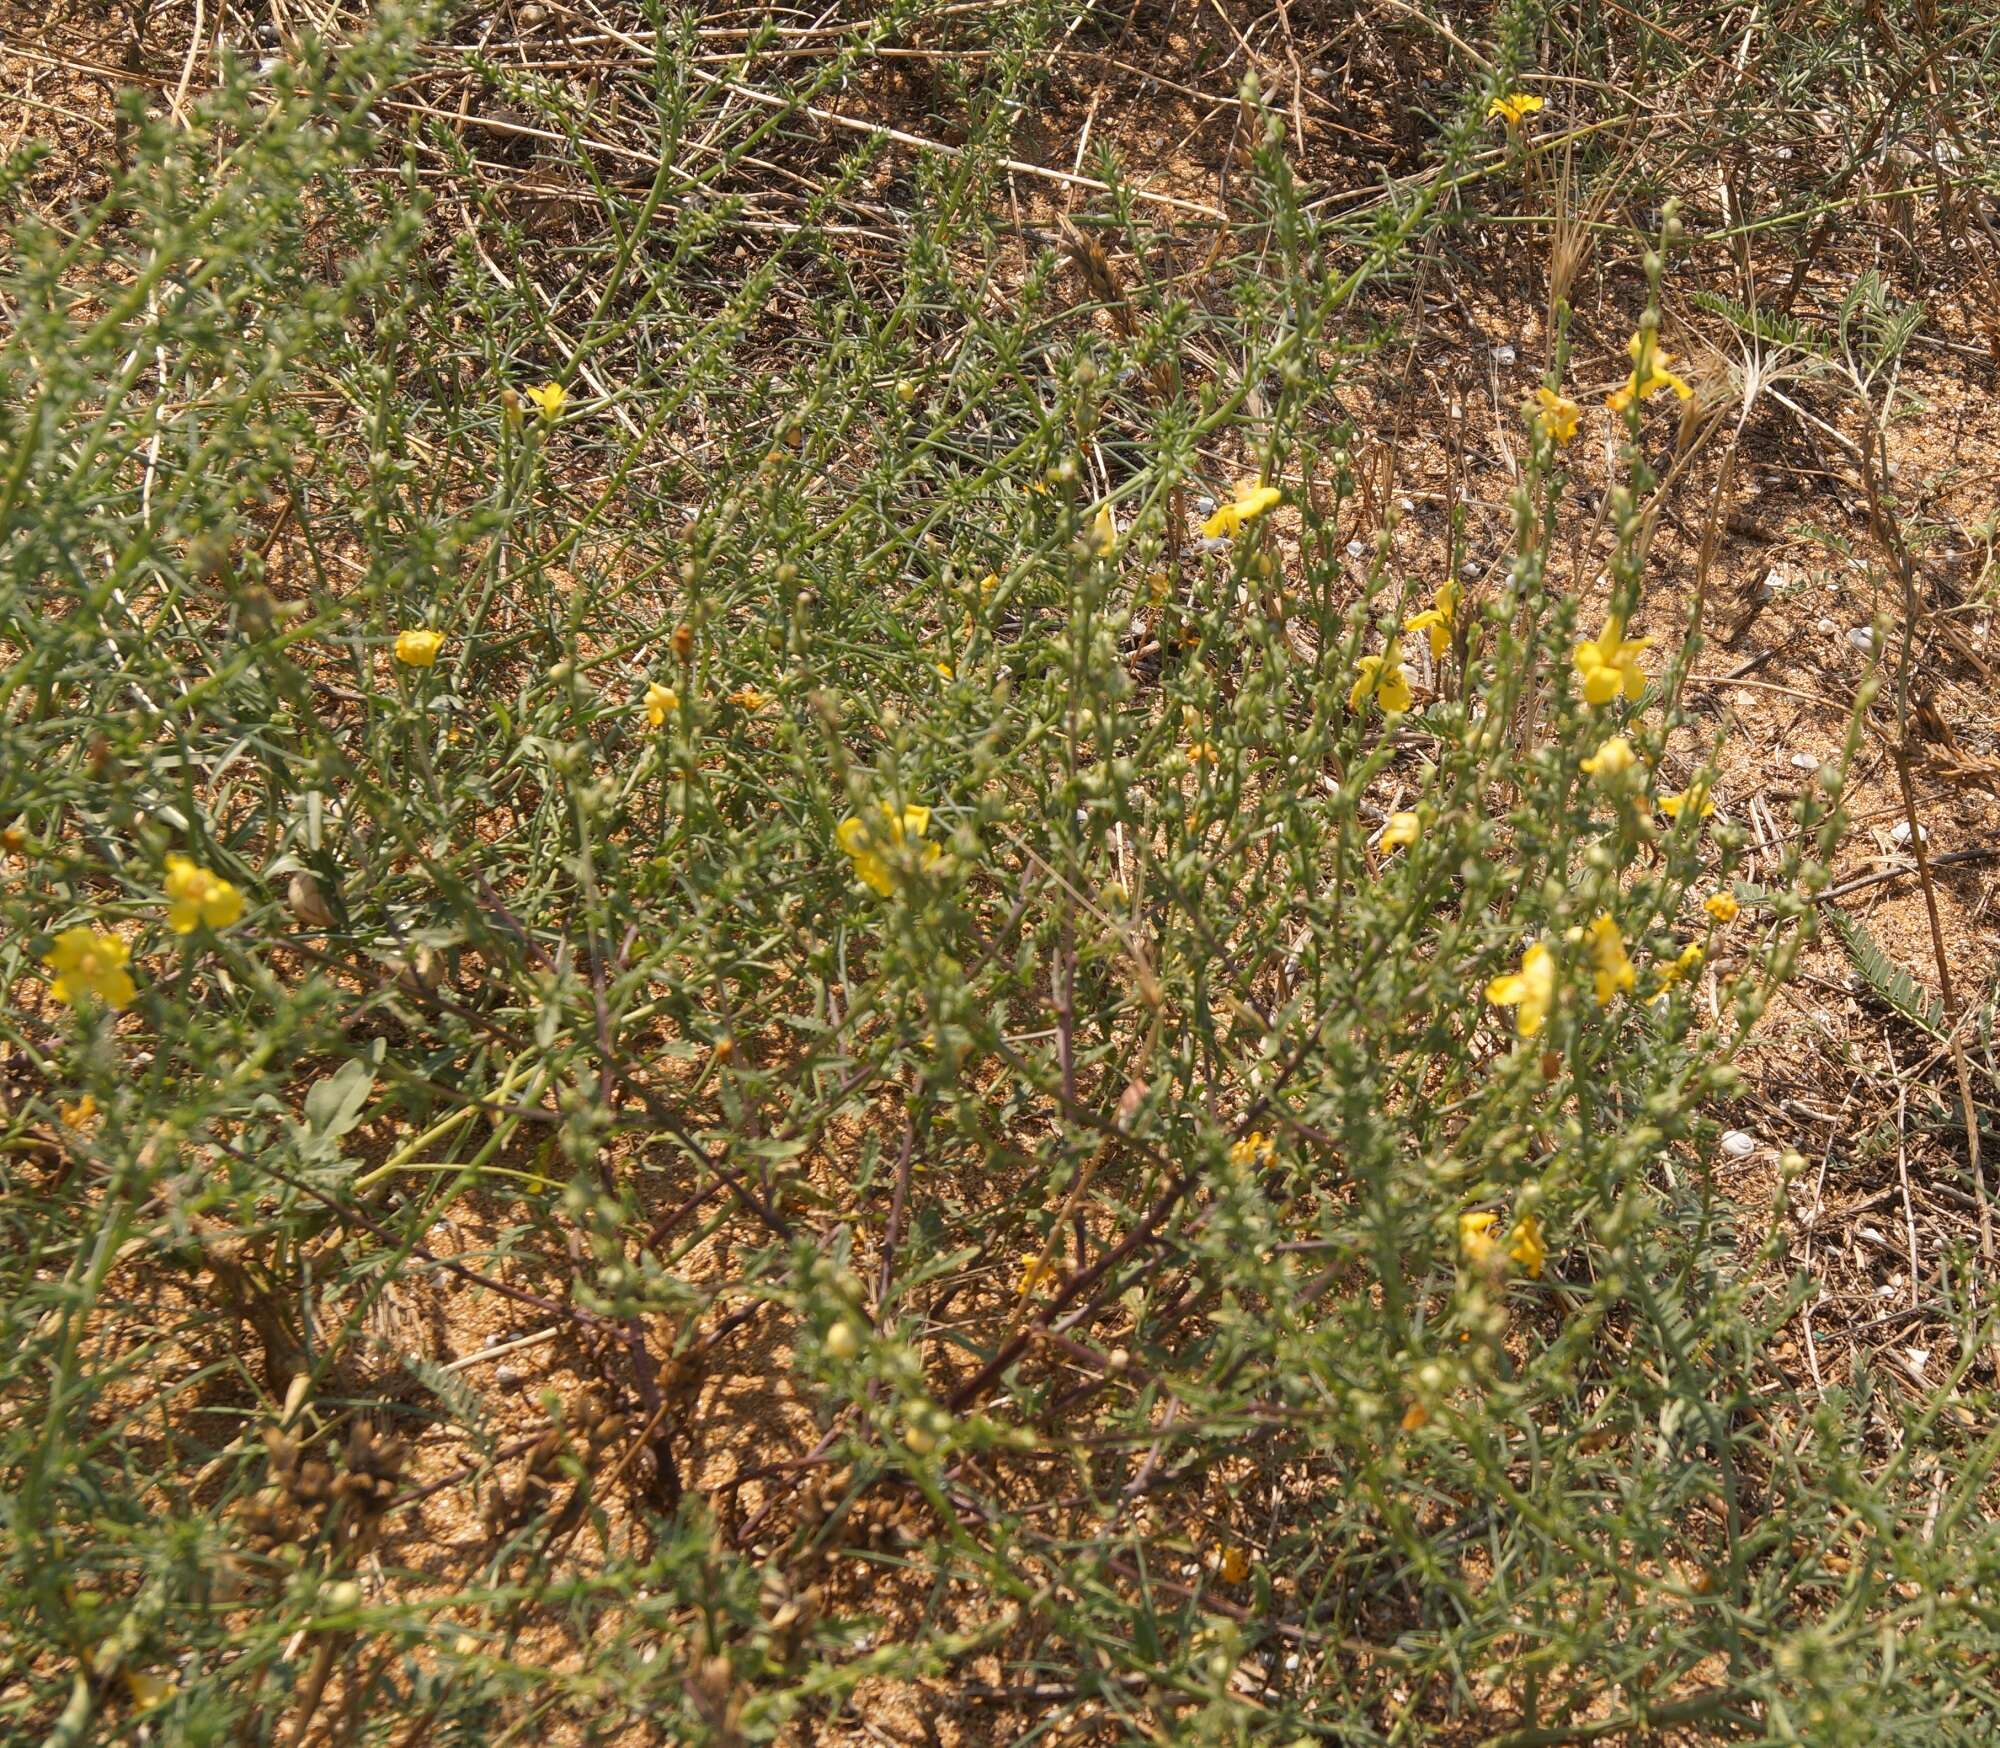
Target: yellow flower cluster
column 1649, row 373
column 89, row 964
column 1480, row 1242
column 1230, row 520
column 878, row 848
column 1036, row 1272
column 1514, row 108
column 1437, row 619
column 549, row 399
column 1556, row 414
column 418, row 648
column 1402, row 831
column 1695, row 795
column 196, row 897
column 1613, row 759
column 1686, row 964
column 1611, row 664
column 1256, row 1149
column 1384, row 679
column 1611, row 969
column 1531, row 991
column 1103, row 532
column 659, row 703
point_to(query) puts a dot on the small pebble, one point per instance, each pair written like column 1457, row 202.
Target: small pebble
column 1504, row 356
column 1804, row 762
column 1357, row 549
column 506, row 1377
column 1899, row 833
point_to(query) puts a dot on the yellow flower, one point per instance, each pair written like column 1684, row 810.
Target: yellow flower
column 1514, row 108
column 1531, row 991
column 944, row 670
column 1674, row 970
column 195, row 896
column 1525, row 1245
column 1437, row 619
column 550, row 398
column 1695, row 794
column 90, row 962
column 147, row 1690
column 1722, row 906
column 418, row 649
column 1649, row 373
column 1402, row 830
column 1475, row 1238
column 660, row 703
column 1230, row 520
column 1233, row 1565
column 1256, row 1148
column 1036, row 1272
column 1201, row 752
column 865, row 842
column 749, row 698
column 1613, row 759
column 1383, row 678
column 1612, row 970
column 1103, row 532
column 1611, row 664
column 80, row 1115
column 1556, row 414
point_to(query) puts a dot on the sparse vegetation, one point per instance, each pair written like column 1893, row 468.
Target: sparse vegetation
column 825, row 919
